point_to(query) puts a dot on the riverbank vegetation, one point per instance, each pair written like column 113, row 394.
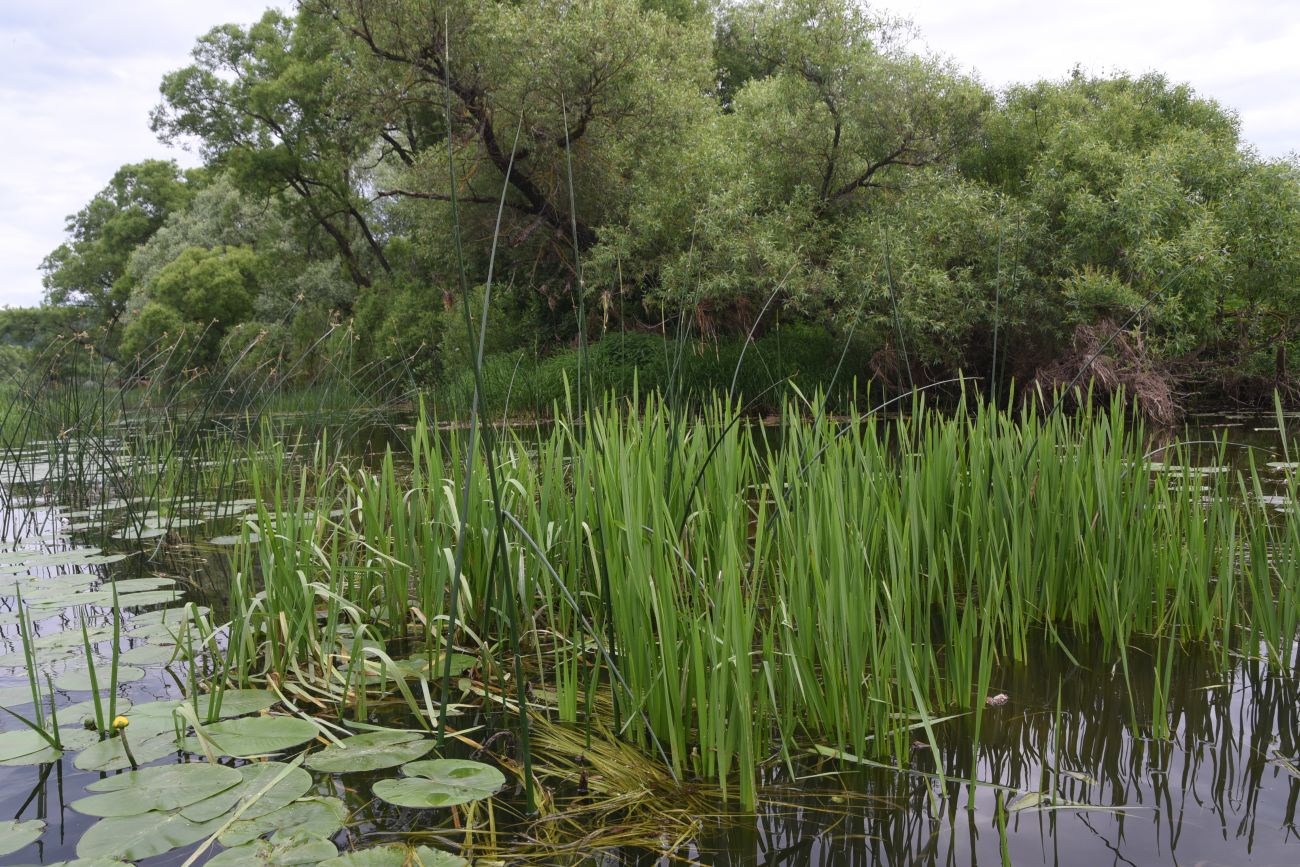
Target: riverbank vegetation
column 635, row 616
column 727, row 596
column 798, row 171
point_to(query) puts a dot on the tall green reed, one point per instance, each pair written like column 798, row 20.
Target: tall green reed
column 779, row 602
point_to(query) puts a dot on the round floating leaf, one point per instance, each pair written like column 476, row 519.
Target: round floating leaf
column 79, row 681
column 109, row 755
column 254, row 736
column 378, row 856
column 370, row 752
column 76, row 737
column 72, row 638
column 309, row 817
column 259, row 853
column 24, row 747
column 134, row 838
column 157, row 710
column 397, row 856
column 148, row 654
column 227, row 541
column 419, row 666
column 236, row 702
column 140, row 533
column 441, row 783
column 57, row 589
column 137, row 585
column 157, row 633
column 174, row 616
column 14, row 835
column 427, row 857
column 253, row 779
column 14, row 697
column 76, row 713
column 169, row 787
column 140, row 600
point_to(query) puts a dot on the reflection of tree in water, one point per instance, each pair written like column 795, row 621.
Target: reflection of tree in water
column 1209, row 791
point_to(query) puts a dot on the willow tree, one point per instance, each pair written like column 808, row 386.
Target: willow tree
column 269, row 104
column 578, row 103
column 826, row 118
column 89, row 270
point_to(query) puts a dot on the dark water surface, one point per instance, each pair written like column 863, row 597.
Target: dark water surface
column 1220, row 791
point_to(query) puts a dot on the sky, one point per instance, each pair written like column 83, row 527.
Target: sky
column 78, row 78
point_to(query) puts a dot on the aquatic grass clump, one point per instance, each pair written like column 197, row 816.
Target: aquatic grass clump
column 723, row 595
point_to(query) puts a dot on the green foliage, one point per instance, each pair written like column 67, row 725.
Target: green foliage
column 1143, row 207
column 156, row 329
column 625, row 363
column 840, row 584
column 679, row 161
column 213, row 284
column 199, row 294
column 89, row 270
column 401, row 326
column 265, row 104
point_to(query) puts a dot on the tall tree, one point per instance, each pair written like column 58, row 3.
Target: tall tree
column 89, row 271
column 606, row 85
column 266, row 103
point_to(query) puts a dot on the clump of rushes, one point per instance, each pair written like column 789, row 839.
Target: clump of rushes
column 723, row 598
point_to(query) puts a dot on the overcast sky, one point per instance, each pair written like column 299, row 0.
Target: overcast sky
column 78, row 77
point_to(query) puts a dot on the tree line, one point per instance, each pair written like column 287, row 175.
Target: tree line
column 707, row 170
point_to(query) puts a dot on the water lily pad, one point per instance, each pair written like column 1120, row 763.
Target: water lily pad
column 157, row 710
column 86, row 862
column 140, row 600
column 441, row 783
column 141, row 533
column 378, row 856
column 397, row 856
column 138, row 585
column 79, row 681
column 303, row 850
column 254, row 736
column 426, row 856
column 110, row 755
column 15, row 696
column 75, row 736
column 370, row 752
column 134, row 838
column 149, row 654
column 14, row 835
column 176, row 616
column 227, row 541
column 159, row 633
column 34, row 559
column 71, row 639
column 420, row 666
column 75, row 713
column 24, row 747
column 168, row 787
column 236, row 702
column 253, row 779
column 308, row 817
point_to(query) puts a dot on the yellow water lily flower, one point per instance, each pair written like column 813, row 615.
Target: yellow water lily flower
column 121, row 722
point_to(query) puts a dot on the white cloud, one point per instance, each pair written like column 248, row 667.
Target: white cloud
column 77, row 81
column 78, row 78
column 1241, row 53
